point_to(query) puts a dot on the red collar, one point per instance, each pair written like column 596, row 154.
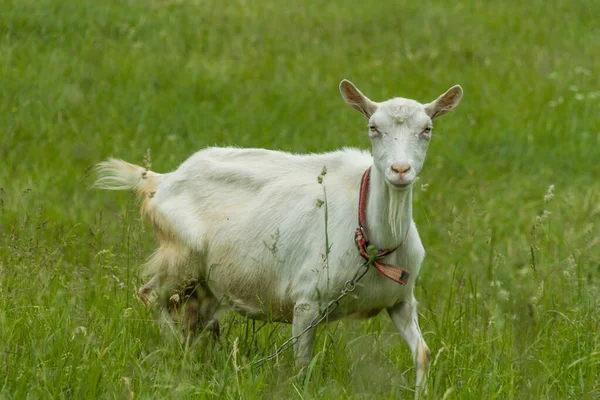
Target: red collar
column 394, row 272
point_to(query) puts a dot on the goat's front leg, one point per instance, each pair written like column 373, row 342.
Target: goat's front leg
column 404, row 316
column 304, row 314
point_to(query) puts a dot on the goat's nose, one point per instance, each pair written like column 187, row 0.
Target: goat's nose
column 400, row 168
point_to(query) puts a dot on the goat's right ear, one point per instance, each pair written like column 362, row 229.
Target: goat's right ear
column 356, row 99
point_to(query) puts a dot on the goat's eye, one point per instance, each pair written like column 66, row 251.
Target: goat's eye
column 426, row 132
column 373, row 129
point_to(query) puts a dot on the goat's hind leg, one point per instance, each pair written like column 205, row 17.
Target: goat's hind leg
column 208, row 305
column 157, row 266
column 176, row 281
column 147, row 292
column 172, row 284
column 195, row 311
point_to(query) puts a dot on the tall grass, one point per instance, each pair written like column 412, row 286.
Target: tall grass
column 509, row 291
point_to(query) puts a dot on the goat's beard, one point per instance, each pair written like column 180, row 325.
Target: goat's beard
column 394, row 213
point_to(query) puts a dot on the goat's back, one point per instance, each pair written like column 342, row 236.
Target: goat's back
column 256, row 220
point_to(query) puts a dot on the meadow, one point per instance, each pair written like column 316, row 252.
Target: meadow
column 507, row 205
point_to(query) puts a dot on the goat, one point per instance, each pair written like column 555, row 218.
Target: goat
column 248, row 225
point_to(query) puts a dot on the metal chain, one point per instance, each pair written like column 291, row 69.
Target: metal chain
column 349, row 287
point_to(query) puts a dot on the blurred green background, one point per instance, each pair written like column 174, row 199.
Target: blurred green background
column 509, row 290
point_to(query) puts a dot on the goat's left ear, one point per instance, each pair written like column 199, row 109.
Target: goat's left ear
column 445, row 102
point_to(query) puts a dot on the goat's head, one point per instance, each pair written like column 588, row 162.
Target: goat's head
column 400, row 130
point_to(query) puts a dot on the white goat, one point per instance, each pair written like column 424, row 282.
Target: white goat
column 248, row 224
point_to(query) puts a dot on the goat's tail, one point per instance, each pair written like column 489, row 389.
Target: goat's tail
column 114, row 174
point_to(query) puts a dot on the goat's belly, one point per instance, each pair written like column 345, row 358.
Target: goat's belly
column 251, row 291
column 366, row 314
column 275, row 313
column 356, row 312
column 258, row 306
column 283, row 311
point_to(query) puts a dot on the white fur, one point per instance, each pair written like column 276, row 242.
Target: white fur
column 247, row 223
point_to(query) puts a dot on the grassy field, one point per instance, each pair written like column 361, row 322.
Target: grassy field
column 510, row 288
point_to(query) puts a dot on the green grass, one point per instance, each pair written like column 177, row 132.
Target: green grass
column 509, row 306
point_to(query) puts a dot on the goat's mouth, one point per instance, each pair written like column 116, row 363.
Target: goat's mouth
column 400, row 185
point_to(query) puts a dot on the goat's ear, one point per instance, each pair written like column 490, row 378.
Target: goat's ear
column 356, row 99
column 444, row 103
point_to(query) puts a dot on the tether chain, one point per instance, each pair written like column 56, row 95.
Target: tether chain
column 349, row 287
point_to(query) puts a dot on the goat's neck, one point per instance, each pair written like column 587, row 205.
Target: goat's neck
column 389, row 212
